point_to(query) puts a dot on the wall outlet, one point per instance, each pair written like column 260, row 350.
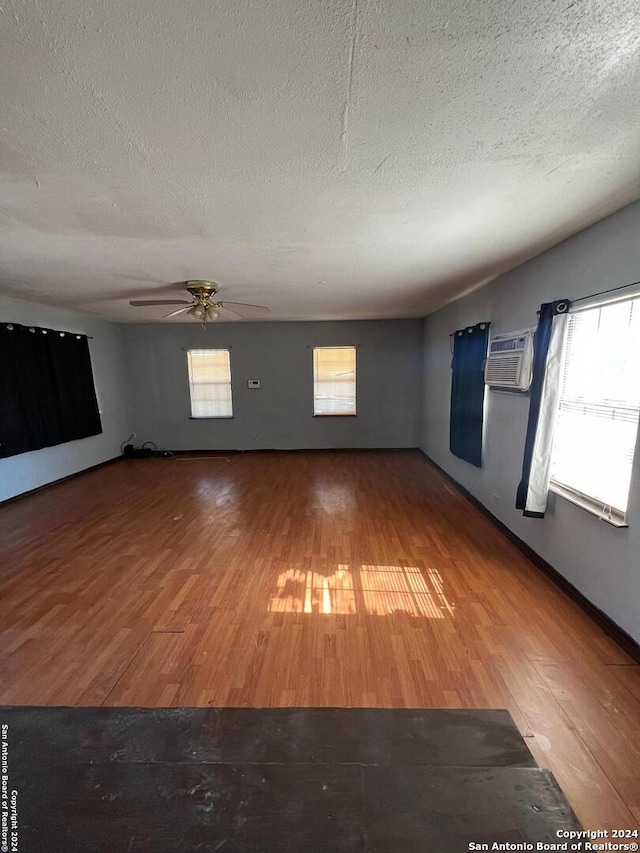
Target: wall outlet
column 253, row 383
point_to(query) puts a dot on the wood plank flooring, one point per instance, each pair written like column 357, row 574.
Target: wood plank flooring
column 309, row 579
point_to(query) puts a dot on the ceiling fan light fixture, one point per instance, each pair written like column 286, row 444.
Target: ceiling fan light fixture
column 198, row 312
column 211, row 313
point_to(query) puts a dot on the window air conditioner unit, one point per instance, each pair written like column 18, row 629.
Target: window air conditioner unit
column 509, row 364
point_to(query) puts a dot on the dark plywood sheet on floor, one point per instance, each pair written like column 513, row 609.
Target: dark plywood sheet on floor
column 272, row 735
column 127, row 779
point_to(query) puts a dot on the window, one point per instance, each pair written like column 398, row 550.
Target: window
column 597, row 419
column 210, row 383
column 334, row 381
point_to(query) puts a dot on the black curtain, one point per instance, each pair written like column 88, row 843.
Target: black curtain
column 467, row 393
column 47, row 393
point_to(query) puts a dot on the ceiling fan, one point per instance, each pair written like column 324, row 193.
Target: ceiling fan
column 204, row 306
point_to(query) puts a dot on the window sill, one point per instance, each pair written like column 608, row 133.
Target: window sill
column 336, row 415
column 211, row 417
column 615, row 518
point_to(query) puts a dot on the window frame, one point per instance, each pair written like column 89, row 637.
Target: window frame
column 354, row 413
column 604, row 512
column 230, row 384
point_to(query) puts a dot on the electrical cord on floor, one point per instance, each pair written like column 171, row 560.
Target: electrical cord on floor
column 148, row 450
column 126, row 441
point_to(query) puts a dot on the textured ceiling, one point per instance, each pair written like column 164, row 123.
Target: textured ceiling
column 327, row 158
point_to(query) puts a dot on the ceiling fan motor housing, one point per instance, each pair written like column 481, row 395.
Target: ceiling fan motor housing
column 202, row 289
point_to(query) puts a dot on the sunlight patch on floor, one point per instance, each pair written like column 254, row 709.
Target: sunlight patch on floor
column 380, row 591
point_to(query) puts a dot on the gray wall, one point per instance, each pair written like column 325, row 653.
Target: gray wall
column 393, row 386
column 280, row 414
column 27, row 471
column 601, row 561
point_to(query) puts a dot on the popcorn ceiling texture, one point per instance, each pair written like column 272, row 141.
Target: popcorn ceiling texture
column 331, row 159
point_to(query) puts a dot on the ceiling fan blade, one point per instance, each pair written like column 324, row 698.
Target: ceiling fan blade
column 246, row 307
column 138, row 302
column 187, row 307
column 235, row 315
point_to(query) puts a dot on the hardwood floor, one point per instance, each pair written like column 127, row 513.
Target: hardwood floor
column 309, row 579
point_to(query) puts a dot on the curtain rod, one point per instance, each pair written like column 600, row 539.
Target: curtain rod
column 604, row 292
column 47, row 330
column 600, row 293
column 481, row 323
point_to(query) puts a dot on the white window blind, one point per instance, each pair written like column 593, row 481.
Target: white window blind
column 210, row 383
column 334, row 381
column 597, row 422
